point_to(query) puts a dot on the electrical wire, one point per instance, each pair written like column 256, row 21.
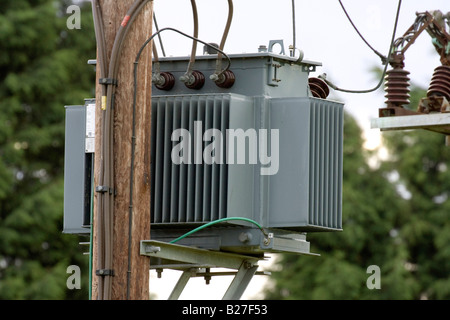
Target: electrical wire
column 219, row 221
column 194, row 43
column 188, row 36
column 100, row 35
column 293, row 30
column 224, row 37
column 159, row 36
column 156, row 67
column 383, row 58
column 323, row 77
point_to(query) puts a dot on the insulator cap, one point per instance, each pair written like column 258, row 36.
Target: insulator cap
column 169, row 81
column 440, row 83
column 226, row 79
column 319, row 88
column 397, row 87
column 198, row 81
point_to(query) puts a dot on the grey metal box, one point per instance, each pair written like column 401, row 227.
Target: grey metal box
column 77, row 171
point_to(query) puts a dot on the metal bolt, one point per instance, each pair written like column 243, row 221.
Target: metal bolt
column 262, row 48
column 268, row 239
column 157, row 79
column 207, row 276
column 152, row 249
column 184, row 78
column 245, row 237
column 187, row 78
column 214, row 77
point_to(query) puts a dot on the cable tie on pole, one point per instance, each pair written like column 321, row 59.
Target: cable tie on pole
column 105, row 272
column 108, row 81
column 103, row 189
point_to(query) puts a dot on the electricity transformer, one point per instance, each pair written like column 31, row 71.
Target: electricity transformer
column 267, row 148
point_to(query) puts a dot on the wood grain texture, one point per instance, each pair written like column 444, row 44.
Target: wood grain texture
column 140, row 31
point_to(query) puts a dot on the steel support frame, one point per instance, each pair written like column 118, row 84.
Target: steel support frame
column 190, row 260
column 437, row 122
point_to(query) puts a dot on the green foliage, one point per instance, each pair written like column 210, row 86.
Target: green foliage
column 422, row 166
column 43, row 67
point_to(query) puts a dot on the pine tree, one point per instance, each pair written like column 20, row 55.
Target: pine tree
column 43, row 67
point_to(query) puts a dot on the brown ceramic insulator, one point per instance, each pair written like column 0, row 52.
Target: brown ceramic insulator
column 397, row 87
column 169, row 81
column 198, row 82
column 226, row 79
column 440, row 83
column 319, row 88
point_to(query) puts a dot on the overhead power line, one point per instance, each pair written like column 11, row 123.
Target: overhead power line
column 383, row 58
column 323, row 77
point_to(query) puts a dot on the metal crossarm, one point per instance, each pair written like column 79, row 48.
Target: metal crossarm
column 190, row 260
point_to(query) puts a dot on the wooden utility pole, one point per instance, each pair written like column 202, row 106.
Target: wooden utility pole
column 131, row 270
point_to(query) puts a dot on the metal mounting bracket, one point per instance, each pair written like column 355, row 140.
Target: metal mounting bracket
column 192, row 261
column 273, row 74
column 274, row 42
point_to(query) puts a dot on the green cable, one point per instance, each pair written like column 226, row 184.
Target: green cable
column 215, row 222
